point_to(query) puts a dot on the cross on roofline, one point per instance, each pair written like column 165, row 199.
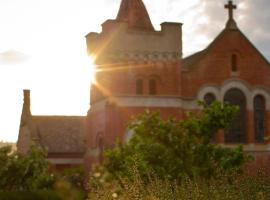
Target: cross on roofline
column 230, row 6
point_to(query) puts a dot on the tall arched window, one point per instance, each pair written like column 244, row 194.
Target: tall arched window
column 100, row 146
column 209, row 98
column 152, row 87
column 234, row 63
column 139, row 86
column 236, row 133
column 259, row 118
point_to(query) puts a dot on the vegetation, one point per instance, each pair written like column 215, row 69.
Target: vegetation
column 170, row 159
column 172, row 149
column 223, row 187
column 24, row 172
column 30, row 177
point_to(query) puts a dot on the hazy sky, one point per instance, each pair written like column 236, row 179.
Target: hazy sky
column 42, row 46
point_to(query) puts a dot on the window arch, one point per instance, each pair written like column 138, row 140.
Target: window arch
column 234, row 63
column 259, row 118
column 236, row 133
column 152, row 87
column 139, row 86
column 209, row 98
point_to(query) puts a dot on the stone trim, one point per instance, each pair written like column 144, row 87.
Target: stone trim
column 238, row 85
column 248, row 91
column 209, row 89
column 264, row 93
column 188, row 104
column 147, row 101
column 140, row 56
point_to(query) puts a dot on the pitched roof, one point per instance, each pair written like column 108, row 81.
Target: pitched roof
column 193, row 59
column 60, row 134
column 135, row 13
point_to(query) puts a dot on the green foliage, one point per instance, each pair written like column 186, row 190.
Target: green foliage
column 29, row 177
column 70, row 183
column 171, row 149
column 24, row 172
column 74, row 175
column 27, row 195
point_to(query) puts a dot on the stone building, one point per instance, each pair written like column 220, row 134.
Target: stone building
column 140, row 68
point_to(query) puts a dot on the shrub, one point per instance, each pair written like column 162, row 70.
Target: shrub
column 24, row 172
column 171, row 149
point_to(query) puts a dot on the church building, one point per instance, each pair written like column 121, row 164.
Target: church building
column 140, row 68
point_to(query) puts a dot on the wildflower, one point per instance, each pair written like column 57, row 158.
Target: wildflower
column 97, row 174
column 114, row 195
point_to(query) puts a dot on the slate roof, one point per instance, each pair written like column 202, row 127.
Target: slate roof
column 60, row 134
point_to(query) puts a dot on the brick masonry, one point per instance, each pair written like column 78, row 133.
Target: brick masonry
column 128, row 55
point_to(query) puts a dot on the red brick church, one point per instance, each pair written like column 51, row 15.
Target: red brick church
column 140, row 68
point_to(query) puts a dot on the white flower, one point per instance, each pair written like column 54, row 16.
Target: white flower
column 97, row 174
column 114, row 195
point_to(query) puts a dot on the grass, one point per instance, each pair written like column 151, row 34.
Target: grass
column 224, row 187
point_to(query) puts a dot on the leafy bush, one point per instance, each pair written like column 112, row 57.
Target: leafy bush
column 24, row 172
column 29, row 177
column 171, row 149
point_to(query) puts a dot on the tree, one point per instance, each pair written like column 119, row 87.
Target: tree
column 24, row 172
column 171, row 149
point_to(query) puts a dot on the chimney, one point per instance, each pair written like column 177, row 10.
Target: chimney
column 26, row 102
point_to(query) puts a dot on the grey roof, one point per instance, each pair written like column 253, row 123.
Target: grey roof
column 60, row 134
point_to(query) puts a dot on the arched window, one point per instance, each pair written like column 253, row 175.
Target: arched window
column 259, row 118
column 100, row 147
column 236, row 133
column 209, row 98
column 234, row 63
column 152, row 87
column 139, row 86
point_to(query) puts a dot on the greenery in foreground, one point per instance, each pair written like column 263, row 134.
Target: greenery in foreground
column 30, row 177
column 224, row 187
column 170, row 159
column 171, row 149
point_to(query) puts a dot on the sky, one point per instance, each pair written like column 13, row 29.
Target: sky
column 42, row 47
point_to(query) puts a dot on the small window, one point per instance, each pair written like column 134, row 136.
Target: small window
column 139, row 86
column 234, row 63
column 259, row 118
column 209, row 98
column 152, row 87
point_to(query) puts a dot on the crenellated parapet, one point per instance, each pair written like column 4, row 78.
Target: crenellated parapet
column 118, row 43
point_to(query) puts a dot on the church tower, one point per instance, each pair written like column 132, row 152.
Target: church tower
column 138, row 68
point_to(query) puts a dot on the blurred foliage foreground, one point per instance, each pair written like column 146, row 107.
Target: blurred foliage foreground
column 171, row 159
column 164, row 159
column 27, row 177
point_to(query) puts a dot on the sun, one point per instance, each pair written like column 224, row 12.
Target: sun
column 61, row 85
